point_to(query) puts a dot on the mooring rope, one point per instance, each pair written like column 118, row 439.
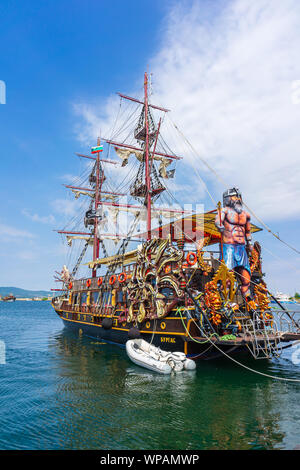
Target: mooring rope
column 231, row 358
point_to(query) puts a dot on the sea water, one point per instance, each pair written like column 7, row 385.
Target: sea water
column 61, row 390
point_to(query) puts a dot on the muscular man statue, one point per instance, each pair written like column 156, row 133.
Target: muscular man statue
column 234, row 224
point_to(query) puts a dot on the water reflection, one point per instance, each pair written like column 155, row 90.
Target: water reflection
column 108, row 402
column 59, row 390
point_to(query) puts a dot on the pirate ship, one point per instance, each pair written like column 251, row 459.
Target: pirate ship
column 180, row 284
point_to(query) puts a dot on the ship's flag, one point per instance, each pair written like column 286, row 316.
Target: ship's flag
column 99, row 148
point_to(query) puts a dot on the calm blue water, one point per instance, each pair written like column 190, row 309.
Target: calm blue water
column 62, row 391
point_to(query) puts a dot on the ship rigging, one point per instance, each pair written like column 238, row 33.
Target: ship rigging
column 168, row 288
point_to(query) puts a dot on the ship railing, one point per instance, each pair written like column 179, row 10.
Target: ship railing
column 92, row 309
column 209, row 256
column 81, row 284
column 289, row 321
column 242, row 318
column 264, row 337
column 58, row 302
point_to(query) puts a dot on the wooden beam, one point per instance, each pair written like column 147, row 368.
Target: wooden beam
column 142, row 102
column 117, row 144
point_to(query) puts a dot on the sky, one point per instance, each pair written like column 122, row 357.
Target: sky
column 228, row 69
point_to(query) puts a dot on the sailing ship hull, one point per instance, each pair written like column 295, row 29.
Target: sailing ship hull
column 204, row 303
column 169, row 334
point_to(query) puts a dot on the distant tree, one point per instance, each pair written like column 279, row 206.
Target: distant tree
column 297, row 296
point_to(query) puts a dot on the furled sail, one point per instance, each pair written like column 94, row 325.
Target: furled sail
column 124, row 154
column 82, row 193
column 70, row 239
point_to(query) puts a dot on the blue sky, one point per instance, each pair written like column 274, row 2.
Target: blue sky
column 54, row 52
column 225, row 68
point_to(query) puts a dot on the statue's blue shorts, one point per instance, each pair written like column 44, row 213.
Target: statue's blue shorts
column 235, row 255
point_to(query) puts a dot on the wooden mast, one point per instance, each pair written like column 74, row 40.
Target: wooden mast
column 147, row 166
column 97, row 200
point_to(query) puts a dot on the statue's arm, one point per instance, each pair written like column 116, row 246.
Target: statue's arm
column 219, row 220
column 248, row 229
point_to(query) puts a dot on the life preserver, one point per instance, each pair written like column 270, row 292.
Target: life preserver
column 194, row 258
column 70, row 285
column 88, row 283
column 122, row 277
column 112, row 279
column 99, row 282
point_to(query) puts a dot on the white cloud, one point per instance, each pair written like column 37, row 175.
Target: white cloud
column 98, row 118
column 7, row 232
column 27, row 255
column 66, row 207
column 47, row 219
column 229, row 82
column 228, row 74
column 69, row 178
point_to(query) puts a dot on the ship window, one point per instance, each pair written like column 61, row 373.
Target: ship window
column 83, row 298
column 95, row 297
column 107, row 297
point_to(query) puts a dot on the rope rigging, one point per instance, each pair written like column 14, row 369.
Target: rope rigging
column 226, row 186
column 231, row 358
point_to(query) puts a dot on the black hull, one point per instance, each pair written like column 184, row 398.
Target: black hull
column 167, row 341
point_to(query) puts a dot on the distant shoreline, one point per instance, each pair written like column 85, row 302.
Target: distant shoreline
column 28, row 299
column 24, row 294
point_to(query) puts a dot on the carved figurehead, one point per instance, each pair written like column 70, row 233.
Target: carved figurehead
column 65, row 274
column 234, row 224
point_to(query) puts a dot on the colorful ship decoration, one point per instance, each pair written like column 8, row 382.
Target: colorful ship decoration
column 193, row 284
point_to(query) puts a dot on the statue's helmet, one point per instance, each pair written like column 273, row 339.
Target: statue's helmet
column 227, row 195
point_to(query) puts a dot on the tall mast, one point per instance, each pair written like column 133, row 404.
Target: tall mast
column 97, row 200
column 147, row 168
